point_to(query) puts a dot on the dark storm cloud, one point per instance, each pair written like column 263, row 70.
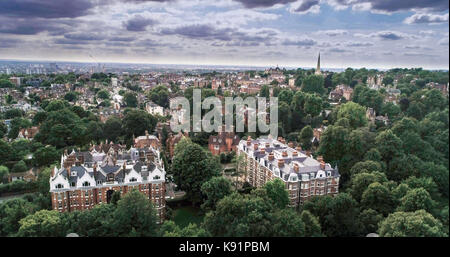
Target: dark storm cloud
column 300, row 42
column 263, row 3
column 202, row 31
column 29, row 26
column 138, row 23
column 45, row 8
column 306, row 5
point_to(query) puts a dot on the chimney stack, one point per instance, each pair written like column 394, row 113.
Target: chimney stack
column 249, row 140
column 68, row 171
column 255, row 147
column 320, row 158
column 298, row 148
column 263, row 150
column 280, row 163
column 308, row 153
column 285, row 154
column 291, row 145
column 294, row 154
column 146, row 133
column 296, row 167
column 322, row 165
column 267, row 145
column 270, row 156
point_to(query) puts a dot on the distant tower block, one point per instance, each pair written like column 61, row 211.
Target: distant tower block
column 318, row 72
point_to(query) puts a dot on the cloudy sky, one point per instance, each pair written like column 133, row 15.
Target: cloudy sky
column 347, row 33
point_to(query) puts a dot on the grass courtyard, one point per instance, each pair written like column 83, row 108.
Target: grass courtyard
column 184, row 215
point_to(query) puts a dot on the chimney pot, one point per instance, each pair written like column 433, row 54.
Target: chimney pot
column 271, row 157
column 280, row 163
column 296, row 167
column 322, row 165
column 295, row 153
column 263, row 150
column 291, row 145
column 285, row 154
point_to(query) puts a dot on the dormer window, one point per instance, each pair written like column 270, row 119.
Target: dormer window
column 72, row 184
column 156, row 177
column 59, row 186
column 86, row 184
column 133, row 179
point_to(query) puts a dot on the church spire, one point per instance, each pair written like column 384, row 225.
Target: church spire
column 318, row 72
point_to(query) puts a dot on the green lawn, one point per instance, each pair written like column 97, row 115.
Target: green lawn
column 182, row 216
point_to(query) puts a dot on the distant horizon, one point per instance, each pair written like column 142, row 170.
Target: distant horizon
column 216, row 65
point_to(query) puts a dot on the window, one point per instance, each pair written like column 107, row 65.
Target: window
column 59, row 186
column 156, row 177
column 86, row 193
column 99, row 182
column 72, row 184
column 133, row 179
column 86, row 184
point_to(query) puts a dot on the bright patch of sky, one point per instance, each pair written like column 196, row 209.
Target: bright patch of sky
column 357, row 33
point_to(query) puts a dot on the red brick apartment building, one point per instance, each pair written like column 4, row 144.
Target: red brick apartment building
column 86, row 179
column 266, row 159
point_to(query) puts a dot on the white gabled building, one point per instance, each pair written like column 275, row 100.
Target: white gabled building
column 86, row 179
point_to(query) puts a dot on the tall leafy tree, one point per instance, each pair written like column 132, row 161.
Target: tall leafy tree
column 191, row 167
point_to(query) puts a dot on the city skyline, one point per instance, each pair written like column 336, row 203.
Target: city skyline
column 289, row 33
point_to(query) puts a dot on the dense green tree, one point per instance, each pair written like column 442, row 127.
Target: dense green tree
column 191, row 167
column 305, row 137
column 241, row 215
column 96, row 222
column 160, row 96
column 276, row 191
column 355, row 113
column 389, row 145
column 103, row 94
column 11, row 212
column 313, row 84
column 45, row 156
column 287, row 223
column 312, row 225
column 369, row 221
column 361, row 181
column 416, row 199
column 215, row 189
column 43, row 223
column 113, row 129
column 265, row 91
column 313, row 105
column 170, row 229
column 338, row 216
column 130, row 99
column 135, row 216
column 71, row 96
column 4, row 172
column 411, row 224
column 379, row 198
column 136, row 122
column 19, row 167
